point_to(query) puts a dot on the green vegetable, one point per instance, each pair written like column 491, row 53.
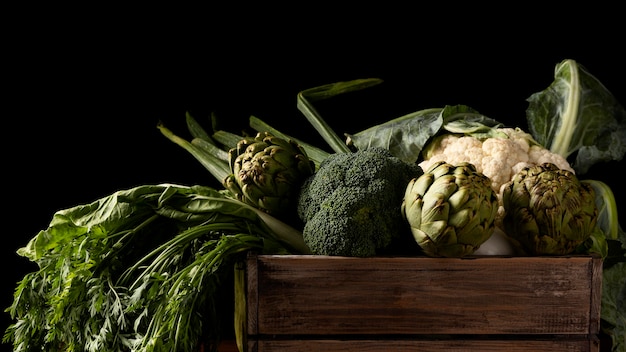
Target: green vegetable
column 451, row 209
column 317, row 155
column 498, row 155
column 203, row 149
column 267, row 172
column 141, row 269
column 607, row 227
column 306, row 97
column 351, row 205
column 613, row 307
column 548, row 211
column 408, row 135
column 145, row 269
column 578, row 118
column 607, row 208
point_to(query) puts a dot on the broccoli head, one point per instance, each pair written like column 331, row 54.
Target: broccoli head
column 351, row 206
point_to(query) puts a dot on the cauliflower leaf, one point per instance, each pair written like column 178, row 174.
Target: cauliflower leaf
column 578, row 118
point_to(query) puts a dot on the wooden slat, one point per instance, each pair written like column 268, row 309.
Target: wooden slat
column 252, row 294
column 317, row 295
column 513, row 345
column 596, row 294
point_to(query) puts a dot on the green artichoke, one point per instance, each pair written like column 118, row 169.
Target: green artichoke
column 267, row 172
column 451, row 209
column 548, row 211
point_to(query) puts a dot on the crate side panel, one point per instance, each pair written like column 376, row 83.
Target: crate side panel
column 487, row 295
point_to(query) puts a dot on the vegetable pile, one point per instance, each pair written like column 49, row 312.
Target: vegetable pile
column 148, row 268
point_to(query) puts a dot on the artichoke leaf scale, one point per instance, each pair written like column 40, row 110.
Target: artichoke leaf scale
column 284, row 158
column 462, row 218
column 281, row 183
column 435, row 230
column 550, row 222
column 461, row 199
column 444, row 186
column 434, row 209
column 472, row 228
column 420, row 185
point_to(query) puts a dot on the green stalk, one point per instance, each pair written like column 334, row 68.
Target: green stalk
column 172, row 323
column 306, row 97
column 241, row 313
column 608, row 219
column 228, row 139
column 196, row 130
column 214, row 164
column 285, row 233
column 211, row 149
column 172, row 246
column 334, row 141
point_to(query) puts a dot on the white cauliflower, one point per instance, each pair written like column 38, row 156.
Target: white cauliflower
column 498, row 158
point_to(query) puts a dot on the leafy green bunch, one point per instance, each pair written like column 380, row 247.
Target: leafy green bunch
column 141, row 269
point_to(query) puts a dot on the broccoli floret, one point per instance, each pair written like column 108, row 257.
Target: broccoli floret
column 351, row 206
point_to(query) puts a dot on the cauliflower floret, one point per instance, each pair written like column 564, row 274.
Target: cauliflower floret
column 499, row 157
column 539, row 155
column 454, row 149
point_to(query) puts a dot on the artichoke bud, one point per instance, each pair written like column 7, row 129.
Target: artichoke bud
column 231, row 185
column 304, row 164
column 256, row 147
column 281, row 155
column 451, row 209
column 548, row 211
column 267, row 172
column 278, row 142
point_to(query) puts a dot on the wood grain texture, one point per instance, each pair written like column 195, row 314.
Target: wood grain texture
column 326, row 296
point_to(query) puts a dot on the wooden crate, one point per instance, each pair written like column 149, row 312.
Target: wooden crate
column 320, row 303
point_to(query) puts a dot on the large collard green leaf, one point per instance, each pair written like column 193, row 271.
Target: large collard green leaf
column 471, row 123
column 406, row 136
column 578, row 118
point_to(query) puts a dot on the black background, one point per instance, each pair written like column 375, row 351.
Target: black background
column 83, row 93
